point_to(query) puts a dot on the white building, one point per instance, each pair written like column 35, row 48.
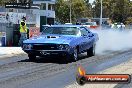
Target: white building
column 45, row 13
column 41, row 13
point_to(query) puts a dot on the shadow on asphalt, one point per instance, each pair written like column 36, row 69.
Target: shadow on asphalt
column 57, row 60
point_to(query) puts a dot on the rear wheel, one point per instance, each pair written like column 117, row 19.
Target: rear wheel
column 32, row 57
column 91, row 51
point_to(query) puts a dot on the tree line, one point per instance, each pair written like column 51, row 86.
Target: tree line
column 116, row 10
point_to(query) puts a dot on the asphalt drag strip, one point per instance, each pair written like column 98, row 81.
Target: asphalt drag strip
column 46, row 74
column 6, row 59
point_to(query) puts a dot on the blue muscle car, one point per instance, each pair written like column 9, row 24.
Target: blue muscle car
column 62, row 40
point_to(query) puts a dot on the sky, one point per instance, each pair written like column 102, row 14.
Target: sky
column 91, row 1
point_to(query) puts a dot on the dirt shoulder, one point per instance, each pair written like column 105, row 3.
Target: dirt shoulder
column 6, row 52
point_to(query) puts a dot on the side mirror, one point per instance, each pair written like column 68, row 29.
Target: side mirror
column 84, row 35
column 91, row 35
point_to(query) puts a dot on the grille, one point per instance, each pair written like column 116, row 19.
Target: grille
column 45, row 47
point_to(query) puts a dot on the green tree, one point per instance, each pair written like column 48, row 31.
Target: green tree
column 97, row 7
column 62, row 11
column 79, row 9
column 117, row 10
column 120, row 10
column 2, row 2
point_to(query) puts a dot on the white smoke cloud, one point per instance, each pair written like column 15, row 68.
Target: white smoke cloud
column 110, row 40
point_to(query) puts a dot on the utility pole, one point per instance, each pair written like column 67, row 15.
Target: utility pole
column 101, row 13
column 70, row 11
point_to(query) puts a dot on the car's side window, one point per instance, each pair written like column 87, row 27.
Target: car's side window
column 89, row 32
column 83, row 31
column 87, row 29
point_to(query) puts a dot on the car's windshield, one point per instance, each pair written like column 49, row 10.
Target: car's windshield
column 61, row 30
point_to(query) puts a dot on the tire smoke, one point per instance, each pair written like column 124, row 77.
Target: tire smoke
column 111, row 40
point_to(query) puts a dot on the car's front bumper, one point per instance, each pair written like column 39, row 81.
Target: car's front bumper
column 48, row 52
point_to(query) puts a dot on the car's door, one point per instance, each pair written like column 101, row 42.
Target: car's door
column 88, row 38
column 84, row 39
column 91, row 38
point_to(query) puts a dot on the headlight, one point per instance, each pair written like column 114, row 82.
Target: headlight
column 67, row 47
column 60, row 47
column 27, row 46
column 64, row 47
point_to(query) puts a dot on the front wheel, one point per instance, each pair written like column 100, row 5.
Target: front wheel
column 75, row 54
column 32, row 57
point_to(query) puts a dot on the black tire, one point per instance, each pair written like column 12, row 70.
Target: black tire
column 74, row 56
column 91, row 51
column 32, row 57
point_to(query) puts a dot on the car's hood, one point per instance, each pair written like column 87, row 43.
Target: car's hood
column 58, row 39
